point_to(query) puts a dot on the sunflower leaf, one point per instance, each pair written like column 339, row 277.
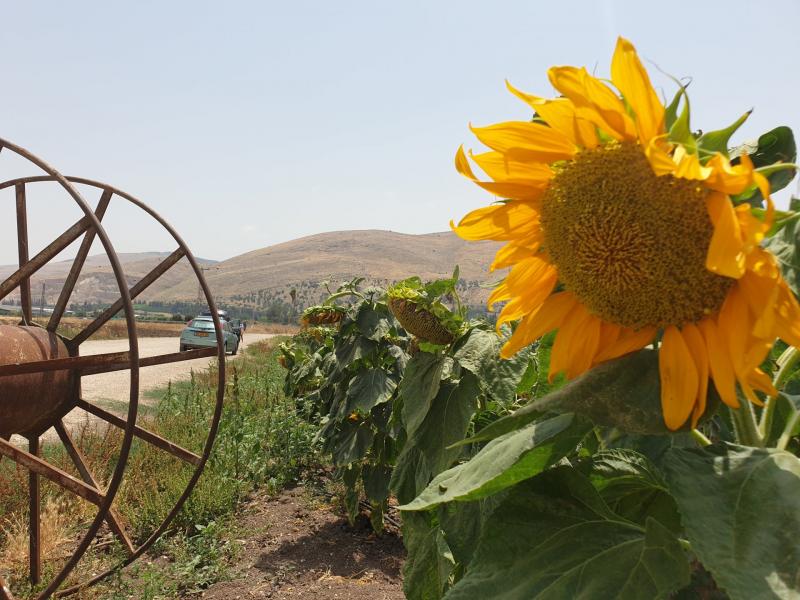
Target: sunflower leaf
column 785, row 246
column 671, row 111
column 717, row 141
column 680, row 130
column 554, row 537
column 505, row 461
column 775, row 146
column 738, row 506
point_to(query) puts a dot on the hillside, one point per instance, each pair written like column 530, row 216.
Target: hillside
column 96, row 283
column 381, row 257
column 264, row 277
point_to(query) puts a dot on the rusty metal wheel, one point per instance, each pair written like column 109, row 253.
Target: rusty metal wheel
column 41, row 373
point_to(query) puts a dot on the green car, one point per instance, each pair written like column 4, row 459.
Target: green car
column 200, row 334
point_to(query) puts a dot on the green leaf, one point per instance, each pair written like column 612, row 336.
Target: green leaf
column 429, row 563
column 680, row 131
column 785, row 246
column 623, row 393
column 376, row 482
column 529, row 377
column 546, row 541
column 350, row 475
column 671, row 111
column 505, row 461
column 349, row 352
column 776, row 145
column 717, row 141
column 352, row 442
column 462, row 524
column 741, row 513
column 516, row 420
column 427, row 452
column 419, row 387
column 478, row 351
column 633, row 487
column 374, row 321
column 786, row 408
column 368, row 388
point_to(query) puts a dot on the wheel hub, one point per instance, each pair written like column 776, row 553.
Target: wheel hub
column 32, row 402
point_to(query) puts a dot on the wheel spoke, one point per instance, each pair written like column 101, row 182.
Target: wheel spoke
column 34, row 517
column 77, row 264
column 122, row 359
column 151, row 361
column 93, row 364
column 147, row 436
column 137, row 289
column 22, row 247
column 29, row 267
column 54, row 474
column 114, row 522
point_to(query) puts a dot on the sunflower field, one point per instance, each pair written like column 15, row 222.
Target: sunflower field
column 629, row 428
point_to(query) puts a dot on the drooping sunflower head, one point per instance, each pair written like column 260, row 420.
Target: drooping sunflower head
column 622, row 228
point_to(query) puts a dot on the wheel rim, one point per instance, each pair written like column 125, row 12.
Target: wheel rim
column 130, row 427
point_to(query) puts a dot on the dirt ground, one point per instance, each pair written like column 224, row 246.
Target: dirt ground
column 297, row 548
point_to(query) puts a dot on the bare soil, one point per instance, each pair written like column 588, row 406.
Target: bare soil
column 293, row 547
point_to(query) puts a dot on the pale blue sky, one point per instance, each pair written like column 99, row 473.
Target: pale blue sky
column 251, row 123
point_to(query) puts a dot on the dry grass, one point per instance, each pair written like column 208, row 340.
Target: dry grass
column 55, row 533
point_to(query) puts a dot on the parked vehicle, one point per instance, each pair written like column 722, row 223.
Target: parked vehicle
column 200, row 334
column 223, row 314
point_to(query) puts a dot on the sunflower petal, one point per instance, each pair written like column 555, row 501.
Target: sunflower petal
column 561, row 115
column 762, row 296
column 527, row 190
column 626, row 342
column 735, row 326
column 697, row 347
column 679, row 379
column 504, row 170
column 522, row 140
column 631, row 78
column 687, row 166
column 594, row 101
column 553, row 312
column 537, row 279
column 500, row 222
column 719, row 363
column 660, row 160
column 575, row 344
column 726, row 252
column 727, row 178
column 787, row 316
column 513, row 252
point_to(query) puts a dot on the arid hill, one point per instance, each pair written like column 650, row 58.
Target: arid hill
column 380, row 256
column 267, row 275
column 96, row 283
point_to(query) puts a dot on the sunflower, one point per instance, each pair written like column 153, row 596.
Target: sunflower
column 622, row 230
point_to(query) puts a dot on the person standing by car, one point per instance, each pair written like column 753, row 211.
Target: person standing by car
column 241, row 329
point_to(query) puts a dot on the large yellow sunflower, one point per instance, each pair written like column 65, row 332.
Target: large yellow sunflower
column 619, row 235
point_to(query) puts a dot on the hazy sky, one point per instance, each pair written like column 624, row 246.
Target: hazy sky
column 251, row 123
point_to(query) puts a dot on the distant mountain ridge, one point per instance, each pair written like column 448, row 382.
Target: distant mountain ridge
column 270, row 273
column 380, row 256
column 97, row 283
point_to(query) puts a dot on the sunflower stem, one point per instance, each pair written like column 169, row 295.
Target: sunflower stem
column 700, row 438
column 744, row 420
column 783, row 441
column 786, row 364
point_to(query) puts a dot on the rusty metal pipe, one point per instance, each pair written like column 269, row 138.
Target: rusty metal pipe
column 32, row 402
